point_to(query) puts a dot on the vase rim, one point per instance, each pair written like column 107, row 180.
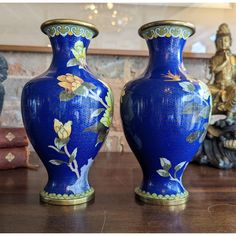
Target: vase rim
column 166, row 22
column 69, row 21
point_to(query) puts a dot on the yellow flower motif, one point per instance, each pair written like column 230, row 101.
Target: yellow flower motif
column 63, row 131
column 79, row 52
column 172, row 77
column 70, row 82
column 107, row 116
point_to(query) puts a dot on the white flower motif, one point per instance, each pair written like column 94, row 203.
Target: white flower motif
column 204, row 91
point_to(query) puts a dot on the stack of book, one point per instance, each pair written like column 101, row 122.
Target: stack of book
column 14, row 151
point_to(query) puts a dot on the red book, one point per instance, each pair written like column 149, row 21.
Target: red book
column 11, row 158
column 13, row 137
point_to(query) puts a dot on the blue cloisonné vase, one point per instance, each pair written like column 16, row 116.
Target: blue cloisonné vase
column 165, row 114
column 67, row 113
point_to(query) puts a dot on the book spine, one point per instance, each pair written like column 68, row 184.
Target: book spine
column 13, row 137
column 11, row 158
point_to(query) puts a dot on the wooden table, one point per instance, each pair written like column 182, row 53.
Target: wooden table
column 211, row 207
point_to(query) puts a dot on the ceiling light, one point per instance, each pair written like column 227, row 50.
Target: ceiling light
column 92, row 7
column 119, row 22
column 109, row 5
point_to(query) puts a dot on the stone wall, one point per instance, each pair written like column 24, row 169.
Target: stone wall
column 115, row 70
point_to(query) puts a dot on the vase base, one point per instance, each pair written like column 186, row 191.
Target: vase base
column 166, row 200
column 67, row 200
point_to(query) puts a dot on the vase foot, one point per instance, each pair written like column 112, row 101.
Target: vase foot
column 65, row 199
column 168, row 200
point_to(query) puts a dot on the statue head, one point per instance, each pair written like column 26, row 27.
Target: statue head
column 223, row 37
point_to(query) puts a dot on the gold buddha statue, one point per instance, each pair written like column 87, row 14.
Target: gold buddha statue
column 219, row 147
column 223, row 69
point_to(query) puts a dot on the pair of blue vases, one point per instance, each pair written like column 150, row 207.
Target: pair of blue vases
column 67, row 113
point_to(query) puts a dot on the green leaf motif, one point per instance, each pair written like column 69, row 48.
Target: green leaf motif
column 191, row 107
column 73, row 155
column 72, row 62
column 163, row 173
column 201, row 139
column 205, row 126
column 100, row 129
column 165, row 163
column 204, row 113
column 179, row 166
column 193, row 136
column 96, row 128
column 187, row 87
column 82, row 91
column 97, row 112
column 76, row 54
column 89, row 85
column 65, row 96
column 188, row 98
column 60, row 143
column 101, row 137
column 57, row 162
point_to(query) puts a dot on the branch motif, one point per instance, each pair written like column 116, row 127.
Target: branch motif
column 75, row 86
column 198, row 112
column 60, row 145
column 166, row 165
column 79, row 53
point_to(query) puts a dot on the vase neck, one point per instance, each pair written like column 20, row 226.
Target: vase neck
column 68, row 50
column 69, row 40
column 165, row 52
column 166, row 40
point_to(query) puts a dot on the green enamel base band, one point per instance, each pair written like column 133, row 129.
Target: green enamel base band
column 65, row 199
column 158, row 199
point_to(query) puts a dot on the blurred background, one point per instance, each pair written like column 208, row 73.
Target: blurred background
column 117, row 55
column 19, row 23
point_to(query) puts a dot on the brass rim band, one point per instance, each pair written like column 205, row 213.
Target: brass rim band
column 166, row 22
column 72, row 22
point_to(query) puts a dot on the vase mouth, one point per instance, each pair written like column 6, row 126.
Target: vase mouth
column 144, row 29
column 69, row 22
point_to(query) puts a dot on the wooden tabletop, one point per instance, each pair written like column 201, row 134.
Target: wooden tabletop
column 211, row 206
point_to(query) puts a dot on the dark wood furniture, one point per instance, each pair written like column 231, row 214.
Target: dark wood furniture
column 211, row 206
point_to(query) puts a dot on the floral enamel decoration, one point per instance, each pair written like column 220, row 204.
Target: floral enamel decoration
column 70, row 82
column 75, row 86
column 107, row 116
column 172, row 77
column 101, row 127
column 199, row 112
column 79, row 53
column 63, row 132
column 165, row 172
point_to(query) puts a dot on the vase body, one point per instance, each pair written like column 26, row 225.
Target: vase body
column 165, row 114
column 67, row 113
